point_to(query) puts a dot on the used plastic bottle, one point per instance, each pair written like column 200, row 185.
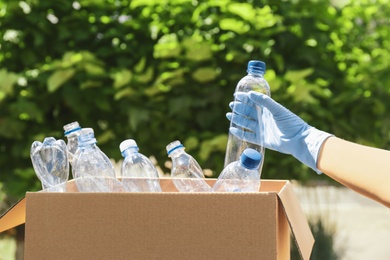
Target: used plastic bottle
column 72, row 131
column 50, row 162
column 187, row 175
column 242, row 175
column 138, row 172
column 94, row 171
column 253, row 81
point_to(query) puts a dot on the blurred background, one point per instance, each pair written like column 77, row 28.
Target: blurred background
column 164, row 70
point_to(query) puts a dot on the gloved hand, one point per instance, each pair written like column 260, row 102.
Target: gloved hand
column 284, row 131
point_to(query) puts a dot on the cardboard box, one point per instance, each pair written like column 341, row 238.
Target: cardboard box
column 166, row 225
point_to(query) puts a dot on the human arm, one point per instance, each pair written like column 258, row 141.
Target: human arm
column 361, row 168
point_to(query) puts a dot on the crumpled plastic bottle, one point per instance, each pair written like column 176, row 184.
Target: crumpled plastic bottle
column 94, row 171
column 72, row 131
column 50, row 162
column 186, row 173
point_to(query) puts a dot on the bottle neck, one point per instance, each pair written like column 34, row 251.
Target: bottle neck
column 73, row 131
column 73, row 135
column 176, row 152
column 87, row 144
column 255, row 73
column 129, row 151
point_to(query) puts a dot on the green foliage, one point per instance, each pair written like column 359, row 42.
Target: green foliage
column 158, row 71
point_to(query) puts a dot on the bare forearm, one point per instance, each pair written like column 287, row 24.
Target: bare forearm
column 361, row 168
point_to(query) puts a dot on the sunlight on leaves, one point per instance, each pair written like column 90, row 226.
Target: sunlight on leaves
column 205, row 74
column 58, row 78
column 121, row 78
column 7, row 81
column 167, row 47
column 234, row 25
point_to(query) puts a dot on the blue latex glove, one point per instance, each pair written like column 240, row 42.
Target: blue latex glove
column 284, row 131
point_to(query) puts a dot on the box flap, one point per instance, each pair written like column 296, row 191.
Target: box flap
column 297, row 220
column 14, row 216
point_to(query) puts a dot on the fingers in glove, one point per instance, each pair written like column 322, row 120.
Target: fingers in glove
column 243, row 135
column 244, row 109
column 243, row 122
column 265, row 101
column 242, row 97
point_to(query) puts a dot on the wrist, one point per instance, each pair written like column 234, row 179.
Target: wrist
column 315, row 140
column 308, row 148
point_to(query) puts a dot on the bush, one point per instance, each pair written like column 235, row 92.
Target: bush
column 158, row 71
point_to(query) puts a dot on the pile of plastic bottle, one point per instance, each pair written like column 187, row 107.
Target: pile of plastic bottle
column 93, row 171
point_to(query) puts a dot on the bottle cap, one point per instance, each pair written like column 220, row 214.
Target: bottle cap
column 250, row 158
column 173, row 146
column 71, row 127
column 127, row 144
column 256, row 66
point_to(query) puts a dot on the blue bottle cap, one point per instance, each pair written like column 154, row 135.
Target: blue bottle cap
column 250, row 159
column 256, row 66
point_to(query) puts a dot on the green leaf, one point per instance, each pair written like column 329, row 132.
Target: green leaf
column 7, row 81
column 122, row 78
column 127, row 92
column 167, row 47
column 244, row 10
column 137, row 3
column 265, row 18
column 205, row 74
column 191, row 143
column 215, row 144
column 140, row 66
column 90, row 84
column 198, row 51
column 297, row 75
column 146, row 76
column 234, row 25
column 94, row 69
column 58, row 78
column 274, row 82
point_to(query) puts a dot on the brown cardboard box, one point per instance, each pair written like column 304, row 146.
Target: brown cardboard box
column 167, row 225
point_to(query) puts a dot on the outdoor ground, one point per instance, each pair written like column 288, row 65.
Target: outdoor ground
column 362, row 225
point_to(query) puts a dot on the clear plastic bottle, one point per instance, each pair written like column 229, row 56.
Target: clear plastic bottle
column 138, row 172
column 253, row 81
column 94, row 171
column 242, row 175
column 72, row 131
column 187, row 175
column 50, row 162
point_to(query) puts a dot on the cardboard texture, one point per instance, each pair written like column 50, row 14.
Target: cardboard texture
column 166, row 225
